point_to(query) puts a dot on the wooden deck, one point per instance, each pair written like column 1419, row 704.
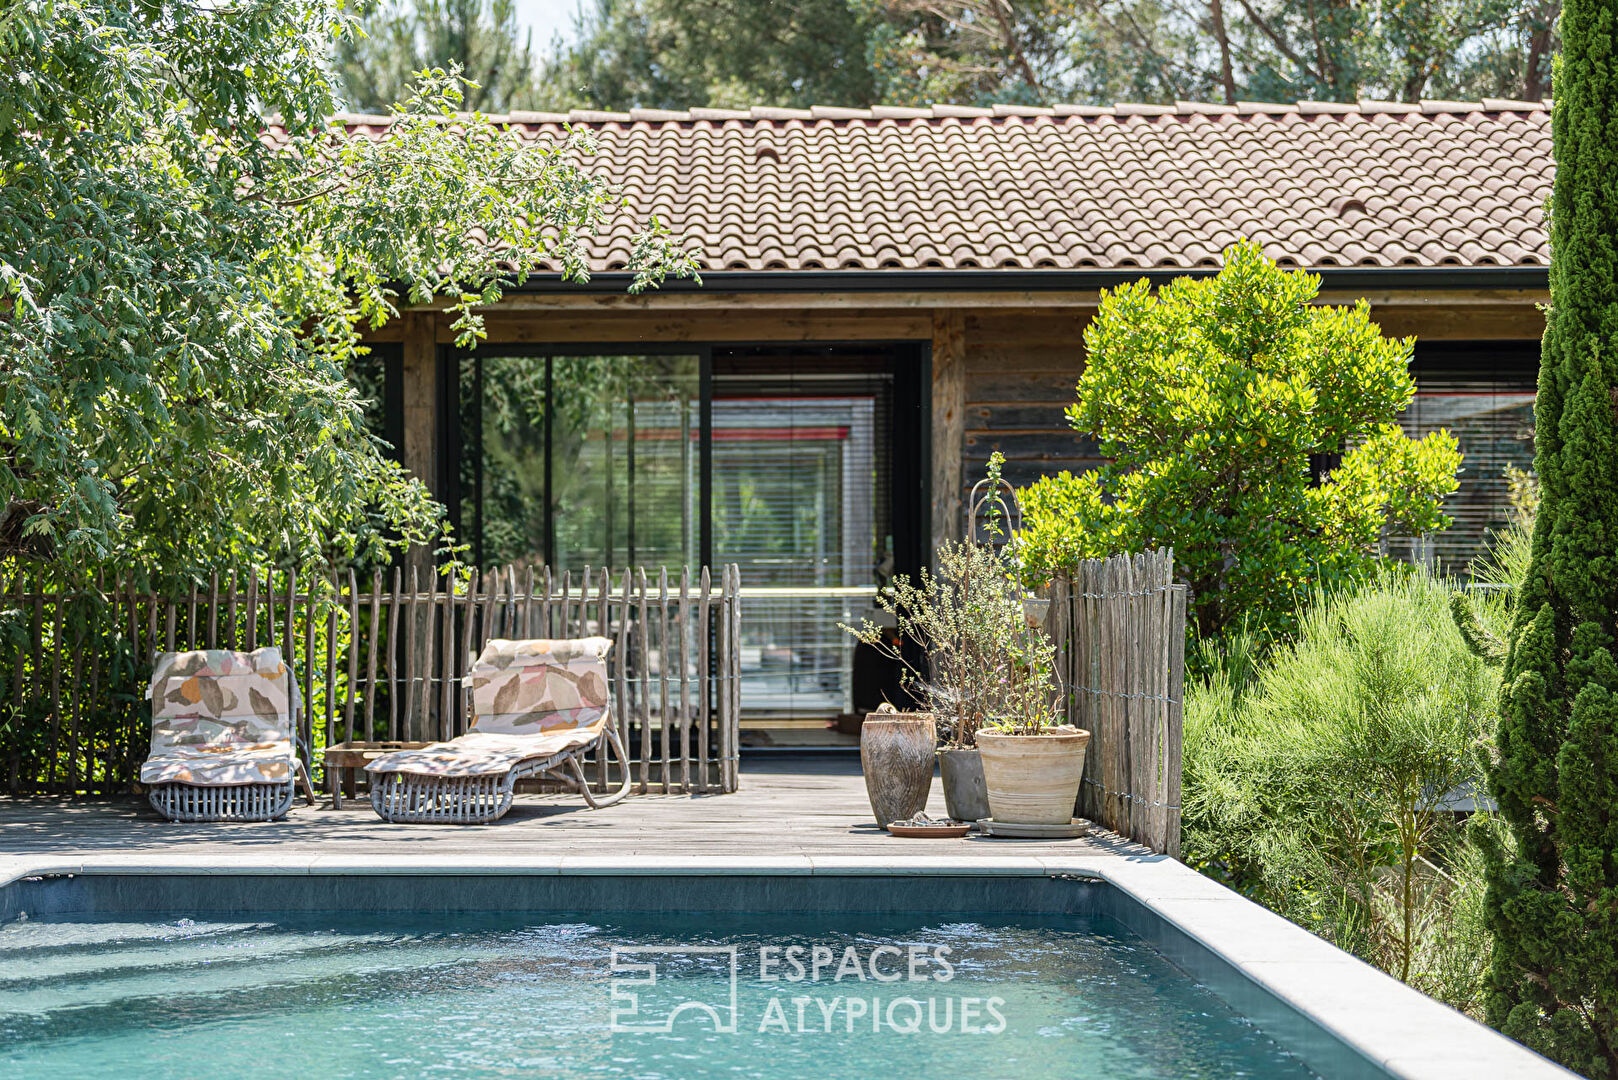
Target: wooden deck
column 787, row 806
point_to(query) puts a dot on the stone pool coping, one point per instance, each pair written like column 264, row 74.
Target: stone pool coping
column 1394, row 1029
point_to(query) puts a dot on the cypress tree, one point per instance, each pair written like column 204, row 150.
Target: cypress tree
column 1553, row 895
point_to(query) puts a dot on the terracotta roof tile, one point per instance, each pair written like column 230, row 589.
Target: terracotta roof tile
column 1066, row 187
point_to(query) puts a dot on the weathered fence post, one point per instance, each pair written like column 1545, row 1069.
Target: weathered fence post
column 79, row 671
column 1119, row 629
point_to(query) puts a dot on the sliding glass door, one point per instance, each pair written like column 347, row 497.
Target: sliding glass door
column 781, row 460
column 576, row 461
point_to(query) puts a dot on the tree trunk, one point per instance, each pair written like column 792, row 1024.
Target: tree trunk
column 1227, row 79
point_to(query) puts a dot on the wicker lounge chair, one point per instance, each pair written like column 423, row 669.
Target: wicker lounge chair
column 222, row 737
column 537, row 707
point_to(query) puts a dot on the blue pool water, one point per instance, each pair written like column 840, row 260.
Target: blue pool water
column 542, row 995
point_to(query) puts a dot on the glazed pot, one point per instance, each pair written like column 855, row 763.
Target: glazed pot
column 1033, row 779
column 896, row 755
column 965, row 796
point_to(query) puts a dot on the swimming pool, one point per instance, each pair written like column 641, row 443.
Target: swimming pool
column 1024, row 968
column 571, row 995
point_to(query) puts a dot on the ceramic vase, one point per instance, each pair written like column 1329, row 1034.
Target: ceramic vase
column 965, row 795
column 896, row 755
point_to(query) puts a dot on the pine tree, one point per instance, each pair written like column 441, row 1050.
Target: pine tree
column 1553, row 900
column 482, row 37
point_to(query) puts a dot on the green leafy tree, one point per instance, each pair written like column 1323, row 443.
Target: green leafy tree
column 675, row 54
column 1553, row 900
column 182, row 287
column 1218, row 400
column 679, row 53
column 377, row 67
column 972, row 51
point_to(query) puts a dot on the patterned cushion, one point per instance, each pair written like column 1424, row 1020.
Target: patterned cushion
column 480, row 753
column 536, row 686
column 220, row 718
column 220, row 766
column 530, row 700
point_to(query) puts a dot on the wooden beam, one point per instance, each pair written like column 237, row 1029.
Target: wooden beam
column 1445, row 322
column 949, row 419
column 420, row 449
column 840, row 316
column 832, row 298
column 738, row 324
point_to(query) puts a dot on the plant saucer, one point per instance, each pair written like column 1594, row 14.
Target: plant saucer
column 1075, row 828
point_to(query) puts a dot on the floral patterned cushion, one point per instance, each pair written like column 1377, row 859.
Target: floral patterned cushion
column 220, row 718
column 220, row 766
column 480, row 753
column 530, row 699
column 536, row 686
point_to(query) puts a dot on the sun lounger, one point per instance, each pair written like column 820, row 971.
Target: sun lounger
column 537, row 707
column 222, row 737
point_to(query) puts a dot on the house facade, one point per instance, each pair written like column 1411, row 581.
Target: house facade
column 891, row 295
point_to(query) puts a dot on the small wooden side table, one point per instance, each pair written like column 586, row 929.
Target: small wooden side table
column 344, row 760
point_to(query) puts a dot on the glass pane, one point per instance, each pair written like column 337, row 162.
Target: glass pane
column 1484, row 394
column 503, row 492
column 624, row 461
column 800, row 502
column 617, row 437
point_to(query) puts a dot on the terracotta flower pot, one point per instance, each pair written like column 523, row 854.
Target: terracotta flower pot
column 965, row 796
column 896, row 755
column 1033, row 779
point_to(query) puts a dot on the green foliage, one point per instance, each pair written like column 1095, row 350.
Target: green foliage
column 377, row 67
column 1314, row 781
column 1483, row 612
column 971, row 51
column 1210, row 396
column 1553, row 900
column 985, row 666
column 724, row 53
column 680, row 53
column 182, row 289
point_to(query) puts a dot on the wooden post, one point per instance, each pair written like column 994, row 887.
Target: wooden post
column 353, row 651
column 621, row 669
column 1176, row 717
column 948, row 422
column 419, row 451
column 683, row 709
column 230, row 612
column 394, row 659
column 370, row 653
column 663, row 669
column 704, row 649
column 467, row 643
column 643, row 639
column 450, row 663
column 429, row 640
column 252, row 609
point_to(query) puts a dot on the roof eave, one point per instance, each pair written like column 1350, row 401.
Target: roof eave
column 1415, row 278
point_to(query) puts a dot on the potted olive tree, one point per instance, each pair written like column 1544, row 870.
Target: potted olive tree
column 1032, row 765
column 988, row 678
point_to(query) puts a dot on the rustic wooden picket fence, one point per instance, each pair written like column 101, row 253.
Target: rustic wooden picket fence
column 1119, row 628
column 382, row 661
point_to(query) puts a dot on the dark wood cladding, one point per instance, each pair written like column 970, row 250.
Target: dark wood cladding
column 1021, row 368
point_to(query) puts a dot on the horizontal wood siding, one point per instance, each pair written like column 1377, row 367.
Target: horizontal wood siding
column 1020, row 371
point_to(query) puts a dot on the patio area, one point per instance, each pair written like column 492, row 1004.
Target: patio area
column 788, row 806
